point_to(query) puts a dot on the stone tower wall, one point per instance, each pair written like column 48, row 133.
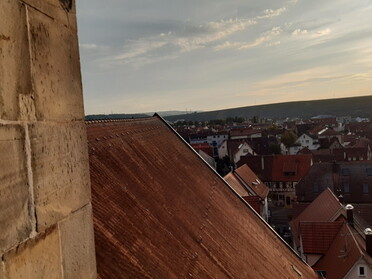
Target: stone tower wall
column 46, row 226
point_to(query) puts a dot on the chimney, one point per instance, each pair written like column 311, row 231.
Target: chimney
column 368, row 233
column 349, row 214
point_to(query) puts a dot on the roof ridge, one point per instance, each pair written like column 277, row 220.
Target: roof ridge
column 88, row 122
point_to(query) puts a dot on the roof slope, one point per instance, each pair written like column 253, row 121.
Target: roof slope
column 161, row 212
column 234, row 182
column 324, row 208
column 318, row 236
column 341, row 256
column 252, row 181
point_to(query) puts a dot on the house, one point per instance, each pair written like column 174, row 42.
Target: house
column 206, row 152
column 235, row 149
column 205, row 147
column 325, row 208
column 216, row 139
column 161, row 212
column 309, row 141
column 332, row 240
column 245, row 133
column 251, row 188
column 329, row 133
column 280, row 173
column 353, row 180
column 209, row 159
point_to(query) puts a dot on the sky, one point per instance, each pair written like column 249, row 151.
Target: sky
column 201, row 55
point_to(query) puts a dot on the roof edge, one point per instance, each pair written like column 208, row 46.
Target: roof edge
column 231, row 189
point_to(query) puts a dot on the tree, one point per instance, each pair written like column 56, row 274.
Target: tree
column 274, row 148
column 288, row 138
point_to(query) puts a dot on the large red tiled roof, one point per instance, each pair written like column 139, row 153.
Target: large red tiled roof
column 297, row 164
column 317, row 237
column 285, row 168
column 160, row 212
column 343, row 253
column 325, row 208
column 252, row 181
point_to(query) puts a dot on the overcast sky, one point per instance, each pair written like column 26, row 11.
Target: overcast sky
column 156, row 55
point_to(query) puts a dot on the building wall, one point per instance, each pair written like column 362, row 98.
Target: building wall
column 354, row 271
column 46, row 226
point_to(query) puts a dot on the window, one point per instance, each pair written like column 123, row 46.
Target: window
column 289, row 173
column 345, row 172
column 362, row 271
column 315, row 187
column 346, row 188
column 245, row 150
column 365, row 188
column 369, row 171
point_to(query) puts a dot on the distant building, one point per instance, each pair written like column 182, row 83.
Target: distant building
column 332, row 239
column 280, row 173
column 351, row 179
column 250, row 188
column 310, row 142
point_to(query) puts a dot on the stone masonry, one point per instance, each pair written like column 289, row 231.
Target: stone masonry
column 46, row 228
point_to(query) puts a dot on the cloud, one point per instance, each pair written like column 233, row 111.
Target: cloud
column 137, row 48
column 145, row 50
column 265, row 37
column 93, row 46
column 269, row 13
column 322, row 33
column 299, row 32
column 215, row 31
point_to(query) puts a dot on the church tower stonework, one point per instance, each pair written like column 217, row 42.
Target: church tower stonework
column 46, row 226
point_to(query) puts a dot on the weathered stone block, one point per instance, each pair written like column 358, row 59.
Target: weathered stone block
column 37, row 258
column 55, row 69
column 15, row 76
column 60, row 169
column 63, row 11
column 2, row 275
column 78, row 256
column 15, row 224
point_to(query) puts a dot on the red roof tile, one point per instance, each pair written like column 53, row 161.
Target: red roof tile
column 205, row 147
column 298, row 165
column 324, row 208
column 252, row 181
column 161, row 212
column 317, row 237
column 341, row 256
column 284, row 168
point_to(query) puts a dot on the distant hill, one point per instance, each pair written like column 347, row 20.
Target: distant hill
column 168, row 113
column 114, row 116
column 133, row 115
column 354, row 107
